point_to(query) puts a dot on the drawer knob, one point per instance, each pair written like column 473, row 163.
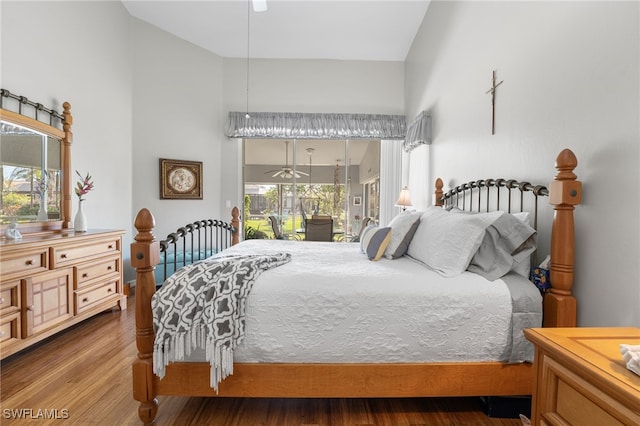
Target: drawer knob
column 29, row 262
column 109, row 268
column 109, row 290
column 30, row 308
column 85, row 275
column 85, row 300
column 110, row 246
column 63, row 255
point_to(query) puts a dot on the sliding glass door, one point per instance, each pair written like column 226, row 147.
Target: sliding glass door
column 287, row 182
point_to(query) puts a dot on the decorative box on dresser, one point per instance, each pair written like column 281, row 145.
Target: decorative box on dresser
column 53, row 280
column 581, row 378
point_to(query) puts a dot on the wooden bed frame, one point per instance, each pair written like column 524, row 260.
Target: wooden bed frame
column 355, row 380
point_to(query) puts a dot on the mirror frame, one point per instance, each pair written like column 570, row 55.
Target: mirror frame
column 66, row 138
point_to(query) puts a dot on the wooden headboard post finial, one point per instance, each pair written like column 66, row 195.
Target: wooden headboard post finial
column 145, row 255
column 564, row 194
column 439, row 193
column 235, row 222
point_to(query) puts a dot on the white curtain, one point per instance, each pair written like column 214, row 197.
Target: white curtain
column 390, row 179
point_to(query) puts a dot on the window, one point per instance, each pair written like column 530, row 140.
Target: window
column 296, row 179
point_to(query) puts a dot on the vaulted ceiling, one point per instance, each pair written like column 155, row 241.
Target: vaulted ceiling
column 376, row 30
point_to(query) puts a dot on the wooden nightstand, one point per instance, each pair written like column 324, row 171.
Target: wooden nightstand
column 581, row 378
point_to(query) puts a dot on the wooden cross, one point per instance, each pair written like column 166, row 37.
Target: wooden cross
column 493, row 102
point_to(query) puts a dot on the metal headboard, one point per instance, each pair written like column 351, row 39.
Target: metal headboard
column 194, row 241
column 486, row 195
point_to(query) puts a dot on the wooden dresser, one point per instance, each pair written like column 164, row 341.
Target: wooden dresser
column 581, row 378
column 53, row 280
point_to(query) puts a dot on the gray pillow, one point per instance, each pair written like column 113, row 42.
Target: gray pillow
column 403, row 226
column 376, row 241
column 507, row 243
column 446, row 241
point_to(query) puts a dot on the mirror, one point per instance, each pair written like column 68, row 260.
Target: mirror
column 34, row 160
column 30, row 163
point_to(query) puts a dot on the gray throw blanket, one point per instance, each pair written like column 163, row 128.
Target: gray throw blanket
column 202, row 305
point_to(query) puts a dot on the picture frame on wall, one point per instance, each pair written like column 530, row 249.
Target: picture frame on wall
column 180, row 179
column 357, row 201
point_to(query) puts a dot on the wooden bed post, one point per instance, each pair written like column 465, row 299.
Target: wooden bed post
column 235, row 222
column 145, row 254
column 564, row 193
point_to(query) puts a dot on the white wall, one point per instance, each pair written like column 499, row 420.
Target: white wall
column 177, row 111
column 315, row 86
column 79, row 52
column 322, row 86
column 570, row 72
column 139, row 94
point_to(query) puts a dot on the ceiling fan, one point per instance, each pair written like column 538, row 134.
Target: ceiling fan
column 287, row 172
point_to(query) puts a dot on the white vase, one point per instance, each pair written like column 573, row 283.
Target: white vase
column 80, row 221
column 42, row 213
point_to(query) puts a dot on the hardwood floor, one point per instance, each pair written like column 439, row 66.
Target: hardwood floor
column 83, row 377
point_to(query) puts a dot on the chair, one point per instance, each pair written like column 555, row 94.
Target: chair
column 277, row 234
column 365, row 222
column 303, row 212
column 304, row 217
column 319, row 230
column 321, row 216
column 363, row 225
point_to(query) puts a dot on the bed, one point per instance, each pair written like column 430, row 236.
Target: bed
column 403, row 371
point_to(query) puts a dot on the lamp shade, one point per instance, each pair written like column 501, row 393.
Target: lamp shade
column 404, row 200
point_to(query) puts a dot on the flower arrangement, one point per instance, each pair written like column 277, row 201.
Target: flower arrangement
column 83, row 186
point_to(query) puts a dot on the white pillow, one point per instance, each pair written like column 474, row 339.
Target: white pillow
column 446, row 242
column 370, row 227
column 403, row 226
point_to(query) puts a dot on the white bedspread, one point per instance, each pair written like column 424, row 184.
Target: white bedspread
column 332, row 305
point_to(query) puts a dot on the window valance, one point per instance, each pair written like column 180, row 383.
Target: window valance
column 419, row 132
column 287, row 125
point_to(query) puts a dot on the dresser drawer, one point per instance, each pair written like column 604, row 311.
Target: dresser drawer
column 23, row 262
column 570, row 399
column 64, row 255
column 86, row 299
column 9, row 329
column 581, row 377
column 9, row 297
column 88, row 273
